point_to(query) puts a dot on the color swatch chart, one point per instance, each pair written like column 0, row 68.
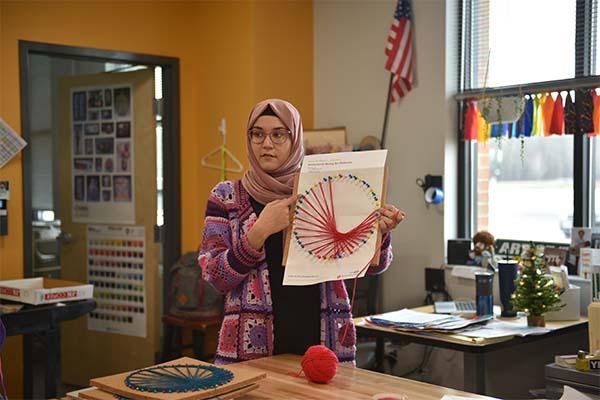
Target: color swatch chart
column 115, row 265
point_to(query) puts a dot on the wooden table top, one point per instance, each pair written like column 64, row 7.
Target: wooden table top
column 349, row 383
column 464, row 340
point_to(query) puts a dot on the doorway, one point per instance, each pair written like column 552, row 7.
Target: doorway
column 103, row 152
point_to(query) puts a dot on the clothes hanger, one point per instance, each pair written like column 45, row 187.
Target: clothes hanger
column 224, row 154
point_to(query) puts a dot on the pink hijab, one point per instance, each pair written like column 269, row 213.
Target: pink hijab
column 265, row 187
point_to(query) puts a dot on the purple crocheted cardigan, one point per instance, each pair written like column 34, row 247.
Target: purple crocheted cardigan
column 234, row 268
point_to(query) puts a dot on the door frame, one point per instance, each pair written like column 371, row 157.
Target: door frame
column 171, row 231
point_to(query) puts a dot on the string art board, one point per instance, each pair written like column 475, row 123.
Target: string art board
column 335, row 231
column 97, row 394
column 181, row 379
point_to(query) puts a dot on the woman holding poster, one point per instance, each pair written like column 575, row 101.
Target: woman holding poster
column 242, row 250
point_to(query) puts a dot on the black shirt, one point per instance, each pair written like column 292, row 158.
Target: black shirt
column 296, row 309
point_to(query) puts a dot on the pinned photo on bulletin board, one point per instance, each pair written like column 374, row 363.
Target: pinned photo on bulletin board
column 580, row 238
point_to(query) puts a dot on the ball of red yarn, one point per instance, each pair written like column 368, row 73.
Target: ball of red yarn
column 319, row 364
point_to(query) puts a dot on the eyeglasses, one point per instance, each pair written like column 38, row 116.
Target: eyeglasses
column 278, row 135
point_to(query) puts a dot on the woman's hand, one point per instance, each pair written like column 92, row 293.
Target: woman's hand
column 390, row 218
column 274, row 217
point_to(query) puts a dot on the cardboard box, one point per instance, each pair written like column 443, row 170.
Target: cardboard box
column 571, row 311
column 44, row 290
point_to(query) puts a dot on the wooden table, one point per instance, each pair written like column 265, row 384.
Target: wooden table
column 349, row 383
column 474, row 349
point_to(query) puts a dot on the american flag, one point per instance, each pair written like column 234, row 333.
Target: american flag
column 399, row 50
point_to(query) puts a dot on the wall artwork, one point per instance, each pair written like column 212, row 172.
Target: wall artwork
column 334, row 233
column 320, row 141
column 102, row 154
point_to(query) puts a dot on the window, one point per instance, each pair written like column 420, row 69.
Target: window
column 595, row 142
column 596, row 33
column 158, row 95
column 596, row 184
column 534, row 188
column 524, row 41
column 530, row 197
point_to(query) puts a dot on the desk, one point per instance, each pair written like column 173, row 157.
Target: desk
column 44, row 320
column 557, row 378
column 474, row 350
column 349, row 383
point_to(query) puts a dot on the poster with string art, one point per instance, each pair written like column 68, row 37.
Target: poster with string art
column 180, row 379
column 334, row 232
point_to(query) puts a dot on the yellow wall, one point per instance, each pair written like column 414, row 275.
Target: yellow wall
column 232, row 54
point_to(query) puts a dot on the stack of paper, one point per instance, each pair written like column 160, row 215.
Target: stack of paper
column 496, row 329
column 419, row 321
column 567, row 361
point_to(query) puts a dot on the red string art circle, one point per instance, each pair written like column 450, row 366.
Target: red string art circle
column 315, row 227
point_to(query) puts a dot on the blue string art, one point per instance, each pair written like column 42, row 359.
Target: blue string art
column 178, row 378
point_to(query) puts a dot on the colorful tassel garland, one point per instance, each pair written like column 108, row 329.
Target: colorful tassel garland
column 512, row 130
column 547, row 109
column 557, row 126
column 537, row 117
column 482, row 129
column 596, row 113
column 570, row 115
column 543, row 115
column 528, row 120
column 470, row 122
column 525, row 123
column 495, row 130
column 585, row 101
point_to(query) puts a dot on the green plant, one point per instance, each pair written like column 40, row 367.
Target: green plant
column 535, row 291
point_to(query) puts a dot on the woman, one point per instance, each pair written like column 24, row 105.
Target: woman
column 242, row 251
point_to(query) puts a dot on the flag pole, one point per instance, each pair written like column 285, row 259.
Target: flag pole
column 387, row 109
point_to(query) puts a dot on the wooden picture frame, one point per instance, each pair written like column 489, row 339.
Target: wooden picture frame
column 330, row 140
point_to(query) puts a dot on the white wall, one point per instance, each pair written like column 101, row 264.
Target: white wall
column 350, row 90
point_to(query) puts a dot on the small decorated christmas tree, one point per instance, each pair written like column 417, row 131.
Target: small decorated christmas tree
column 535, row 291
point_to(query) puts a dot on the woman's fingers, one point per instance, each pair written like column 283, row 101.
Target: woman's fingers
column 392, row 212
column 290, row 200
column 390, row 217
column 400, row 216
column 387, row 220
column 386, row 224
column 386, row 212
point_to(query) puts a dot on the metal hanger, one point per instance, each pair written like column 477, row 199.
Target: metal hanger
column 224, row 154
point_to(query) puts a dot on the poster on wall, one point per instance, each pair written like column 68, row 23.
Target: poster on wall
column 102, row 154
column 10, row 143
column 115, row 266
